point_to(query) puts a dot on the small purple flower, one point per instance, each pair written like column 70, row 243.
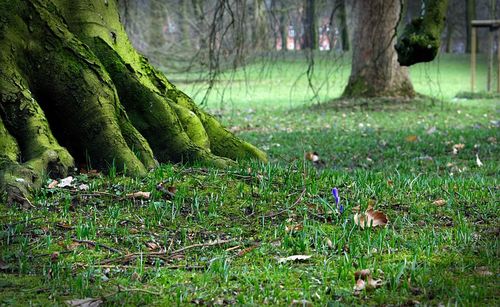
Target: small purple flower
column 335, row 193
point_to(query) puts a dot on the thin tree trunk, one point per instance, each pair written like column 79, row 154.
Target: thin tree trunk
column 310, row 23
column 344, row 33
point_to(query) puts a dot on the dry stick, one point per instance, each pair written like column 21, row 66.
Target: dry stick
column 93, row 243
column 159, row 254
column 287, row 209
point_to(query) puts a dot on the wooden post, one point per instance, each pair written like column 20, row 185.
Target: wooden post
column 498, row 60
column 472, row 59
column 490, row 60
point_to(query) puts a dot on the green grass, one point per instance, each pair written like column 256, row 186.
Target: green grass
column 398, row 158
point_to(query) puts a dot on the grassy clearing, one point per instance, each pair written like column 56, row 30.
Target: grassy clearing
column 101, row 244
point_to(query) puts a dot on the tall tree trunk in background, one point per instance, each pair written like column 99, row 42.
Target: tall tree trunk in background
column 344, row 33
column 375, row 69
column 449, row 37
column 77, row 91
column 202, row 29
column 259, row 28
column 186, row 29
column 157, row 22
column 310, row 23
column 283, row 26
column 470, row 14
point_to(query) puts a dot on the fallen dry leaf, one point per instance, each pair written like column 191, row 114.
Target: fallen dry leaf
column 294, row 258
column 140, row 194
column 85, row 302
column 411, row 138
column 359, row 286
column 66, row 182
column 292, row 228
column 370, row 218
column 53, row 184
column 364, row 280
column 362, row 274
column 478, row 162
column 439, row 202
column 312, row 156
column 246, row 250
column 457, row 147
column 152, row 246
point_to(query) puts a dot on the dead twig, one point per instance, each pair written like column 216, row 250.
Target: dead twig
column 165, row 255
column 299, row 199
column 93, row 243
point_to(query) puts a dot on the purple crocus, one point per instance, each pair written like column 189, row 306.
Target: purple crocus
column 335, row 193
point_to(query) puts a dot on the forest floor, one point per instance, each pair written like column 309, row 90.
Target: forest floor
column 273, row 233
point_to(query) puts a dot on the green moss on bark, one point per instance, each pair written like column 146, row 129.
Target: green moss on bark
column 421, row 38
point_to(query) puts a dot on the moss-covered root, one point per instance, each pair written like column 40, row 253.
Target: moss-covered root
column 31, row 141
column 222, row 142
column 421, row 38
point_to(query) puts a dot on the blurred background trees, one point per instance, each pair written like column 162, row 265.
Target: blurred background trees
column 211, row 36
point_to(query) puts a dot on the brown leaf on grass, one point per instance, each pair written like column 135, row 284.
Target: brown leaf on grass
column 411, row 138
column 457, row 147
column 370, row 218
column 246, row 250
column 359, row 286
column 293, row 228
column 312, row 156
column 152, row 246
column 364, row 280
column 168, row 192
column 294, row 258
column 140, row 194
column 362, row 274
column 390, row 182
column 439, row 202
column 53, row 184
column 85, row 302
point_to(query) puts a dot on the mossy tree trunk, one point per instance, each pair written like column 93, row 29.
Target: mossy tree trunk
column 73, row 88
column 375, row 70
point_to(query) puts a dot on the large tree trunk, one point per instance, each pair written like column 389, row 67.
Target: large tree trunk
column 375, row 69
column 72, row 88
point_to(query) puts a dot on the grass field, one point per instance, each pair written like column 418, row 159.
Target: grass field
column 223, row 236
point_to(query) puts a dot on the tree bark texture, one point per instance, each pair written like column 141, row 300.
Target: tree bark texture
column 375, row 71
column 344, row 33
column 73, row 89
column 310, row 23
